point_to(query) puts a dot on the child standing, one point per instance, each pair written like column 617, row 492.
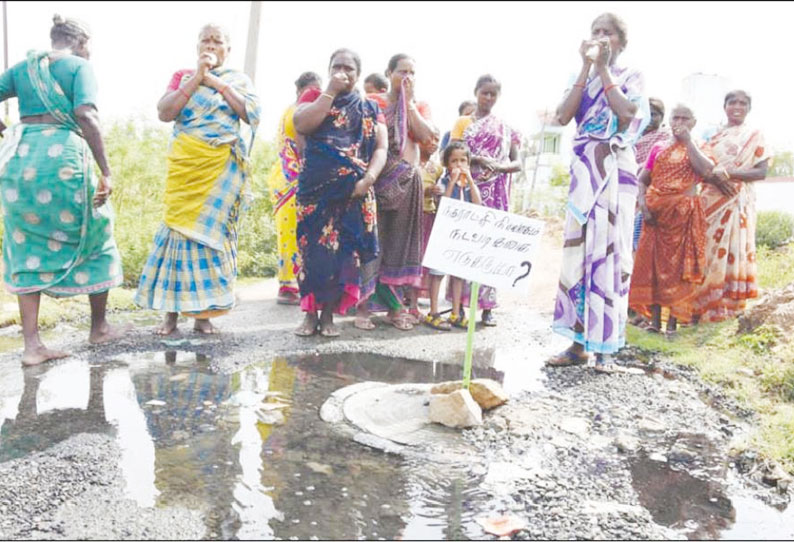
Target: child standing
column 457, row 184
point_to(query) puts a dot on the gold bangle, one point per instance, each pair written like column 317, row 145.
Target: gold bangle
column 328, row 95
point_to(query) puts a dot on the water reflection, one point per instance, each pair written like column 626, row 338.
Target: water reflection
column 248, row 449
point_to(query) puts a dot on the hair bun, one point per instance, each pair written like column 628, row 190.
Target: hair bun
column 57, row 19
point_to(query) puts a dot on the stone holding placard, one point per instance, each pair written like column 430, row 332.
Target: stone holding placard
column 483, row 245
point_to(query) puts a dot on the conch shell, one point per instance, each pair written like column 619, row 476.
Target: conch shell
column 592, row 52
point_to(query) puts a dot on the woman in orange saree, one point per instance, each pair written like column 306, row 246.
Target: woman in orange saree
column 671, row 255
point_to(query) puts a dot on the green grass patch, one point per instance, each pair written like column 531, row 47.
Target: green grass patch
column 755, row 369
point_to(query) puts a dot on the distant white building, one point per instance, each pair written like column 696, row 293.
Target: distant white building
column 545, row 150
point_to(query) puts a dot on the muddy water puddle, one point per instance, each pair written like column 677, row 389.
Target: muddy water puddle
column 248, row 448
column 686, row 484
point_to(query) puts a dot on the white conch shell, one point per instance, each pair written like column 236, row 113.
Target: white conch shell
column 592, row 52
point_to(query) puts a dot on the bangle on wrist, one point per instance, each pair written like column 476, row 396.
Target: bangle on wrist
column 579, row 85
column 328, row 96
column 224, row 89
column 185, row 94
column 609, row 87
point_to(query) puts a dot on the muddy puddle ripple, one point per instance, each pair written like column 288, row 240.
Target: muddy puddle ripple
column 249, row 450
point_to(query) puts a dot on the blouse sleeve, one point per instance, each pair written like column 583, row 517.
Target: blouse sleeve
column 84, row 86
column 176, row 79
column 309, row 95
column 655, row 150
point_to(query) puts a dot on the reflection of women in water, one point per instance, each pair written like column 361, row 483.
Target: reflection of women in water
column 31, row 431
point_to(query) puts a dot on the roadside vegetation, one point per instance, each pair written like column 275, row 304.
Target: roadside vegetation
column 756, row 369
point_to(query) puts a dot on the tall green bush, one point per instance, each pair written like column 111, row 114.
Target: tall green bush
column 137, row 159
column 257, row 243
column 774, row 228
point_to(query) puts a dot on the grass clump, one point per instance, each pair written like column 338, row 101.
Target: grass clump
column 756, row 369
column 774, row 228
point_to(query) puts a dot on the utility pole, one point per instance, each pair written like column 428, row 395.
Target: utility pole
column 5, row 47
column 528, row 200
column 253, row 39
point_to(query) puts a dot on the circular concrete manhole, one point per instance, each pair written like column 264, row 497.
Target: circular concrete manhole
column 393, row 418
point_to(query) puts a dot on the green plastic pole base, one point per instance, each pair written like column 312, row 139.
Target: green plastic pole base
column 473, row 295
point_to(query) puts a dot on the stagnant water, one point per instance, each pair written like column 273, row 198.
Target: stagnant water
column 196, row 438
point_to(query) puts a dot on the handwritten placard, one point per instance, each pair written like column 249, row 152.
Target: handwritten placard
column 482, row 245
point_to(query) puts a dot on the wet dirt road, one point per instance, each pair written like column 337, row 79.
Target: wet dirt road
column 194, row 437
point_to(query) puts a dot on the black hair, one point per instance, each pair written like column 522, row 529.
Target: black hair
column 734, row 94
column 464, row 104
column 455, row 144
column 378, row 81
column 306, row 79
column 342, row 51
column 656, row 103
column 393, row 61
column 68, row 30
column 618, row 23
column 484, row 80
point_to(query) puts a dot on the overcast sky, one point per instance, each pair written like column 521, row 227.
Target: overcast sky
column 531, row 47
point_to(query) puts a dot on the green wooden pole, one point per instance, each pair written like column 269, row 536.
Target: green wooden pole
column 475, row 292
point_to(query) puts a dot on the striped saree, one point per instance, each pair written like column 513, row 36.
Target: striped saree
column 592, row 298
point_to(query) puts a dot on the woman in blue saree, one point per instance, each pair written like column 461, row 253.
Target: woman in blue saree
column 345, row 152
column 193, row 266
column 58, row 228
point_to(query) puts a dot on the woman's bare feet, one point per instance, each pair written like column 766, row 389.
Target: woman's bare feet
column 308, row 327
column 40, row 354
column 169, row 324
column 203, row 325
column 107, row 333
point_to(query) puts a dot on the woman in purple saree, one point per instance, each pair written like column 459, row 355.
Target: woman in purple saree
column 494, row 149
column 611, row 112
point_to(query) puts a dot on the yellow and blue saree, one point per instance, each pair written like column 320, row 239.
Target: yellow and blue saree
column 194, row 262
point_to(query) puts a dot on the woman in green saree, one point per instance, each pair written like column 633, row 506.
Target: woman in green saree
column 58, row 228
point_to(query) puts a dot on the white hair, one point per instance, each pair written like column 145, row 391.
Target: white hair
column 217, row 26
